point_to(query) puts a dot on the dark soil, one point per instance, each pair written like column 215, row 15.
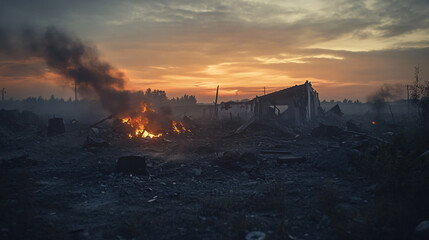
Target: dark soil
column 71, row 192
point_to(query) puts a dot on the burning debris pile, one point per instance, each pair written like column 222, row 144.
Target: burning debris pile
column 80, row 64
column 139, row 124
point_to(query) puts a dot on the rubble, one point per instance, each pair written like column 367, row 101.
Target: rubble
column 103, row 120
column 245, row 125
column 352, row 126
column 326, row 131
column 96, row 139
column 200, row 175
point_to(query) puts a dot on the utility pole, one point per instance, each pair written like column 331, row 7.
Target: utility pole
column 75, row 90
column 217, row 94
column 264, row 90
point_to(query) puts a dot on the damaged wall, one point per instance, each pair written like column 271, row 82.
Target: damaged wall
column 295, row 106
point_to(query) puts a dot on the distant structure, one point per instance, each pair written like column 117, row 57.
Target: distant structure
column 297, row 105
column 293, row 106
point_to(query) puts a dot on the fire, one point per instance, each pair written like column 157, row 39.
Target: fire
column 178, row 127
column 140, row 122
column 373, row 122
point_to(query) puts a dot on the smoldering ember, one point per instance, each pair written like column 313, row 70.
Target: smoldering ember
column 250, row 147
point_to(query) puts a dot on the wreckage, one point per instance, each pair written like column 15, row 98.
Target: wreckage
column 295, row 106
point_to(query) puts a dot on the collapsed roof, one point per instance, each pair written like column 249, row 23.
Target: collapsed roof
column 297, row 105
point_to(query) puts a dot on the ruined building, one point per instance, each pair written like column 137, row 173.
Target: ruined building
column 295, row 106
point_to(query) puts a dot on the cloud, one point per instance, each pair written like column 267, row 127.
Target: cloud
column 193, row 45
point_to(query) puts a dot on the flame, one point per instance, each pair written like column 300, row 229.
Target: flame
column 139, row 123
column 373, row 122
column 178, row 127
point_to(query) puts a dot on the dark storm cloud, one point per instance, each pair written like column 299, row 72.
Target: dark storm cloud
column 330, row 21
column 403, row 16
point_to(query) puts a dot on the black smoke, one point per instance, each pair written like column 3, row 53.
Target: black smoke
column 387, row 92
column 378, row 100
column 74, row 60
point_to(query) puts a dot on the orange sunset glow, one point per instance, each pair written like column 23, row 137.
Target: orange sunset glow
column 345, row 48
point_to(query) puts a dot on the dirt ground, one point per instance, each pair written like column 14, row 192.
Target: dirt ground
column 66, row 191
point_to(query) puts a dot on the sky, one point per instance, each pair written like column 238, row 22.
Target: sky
column 346, row 49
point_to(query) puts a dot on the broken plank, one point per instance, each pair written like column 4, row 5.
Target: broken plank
column 246, row 125
column 102, row 120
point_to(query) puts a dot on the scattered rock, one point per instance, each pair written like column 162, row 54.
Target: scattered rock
column 326, row 131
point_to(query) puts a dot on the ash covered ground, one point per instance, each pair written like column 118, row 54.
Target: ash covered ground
column 198, row 185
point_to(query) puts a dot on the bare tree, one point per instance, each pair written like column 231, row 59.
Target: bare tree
column 419, row 93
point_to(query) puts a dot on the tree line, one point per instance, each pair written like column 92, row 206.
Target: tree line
column 155, row 95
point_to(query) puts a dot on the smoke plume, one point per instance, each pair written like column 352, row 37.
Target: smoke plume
column 388, row 92
column 74, row 60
